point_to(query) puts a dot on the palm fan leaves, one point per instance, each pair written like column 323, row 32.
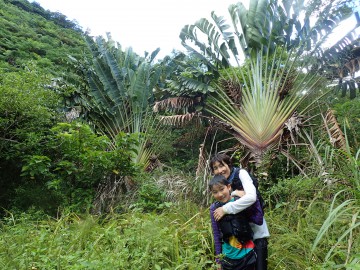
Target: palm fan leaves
column 258, row 123
column 256, row 105
column 265, row 25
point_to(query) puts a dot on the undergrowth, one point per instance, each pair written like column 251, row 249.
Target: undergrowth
column 312, row 226
column 176, row 239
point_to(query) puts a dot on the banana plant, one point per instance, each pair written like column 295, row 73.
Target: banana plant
column 265, row 23
column 120, row 94
column 270, row 94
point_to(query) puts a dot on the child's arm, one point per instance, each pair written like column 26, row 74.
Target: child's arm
column 216, row 232
column 242, row 203
column 238, row 193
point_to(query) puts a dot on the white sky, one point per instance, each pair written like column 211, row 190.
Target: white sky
column 142, row 24
column 148, row 24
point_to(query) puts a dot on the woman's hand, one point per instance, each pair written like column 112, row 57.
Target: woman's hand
column 219, row 213
column 238, row 193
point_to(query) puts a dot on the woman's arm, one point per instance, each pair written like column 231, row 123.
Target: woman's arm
column 242, row 203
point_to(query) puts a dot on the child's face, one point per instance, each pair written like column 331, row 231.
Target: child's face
column 221, row 169
column 221, row 192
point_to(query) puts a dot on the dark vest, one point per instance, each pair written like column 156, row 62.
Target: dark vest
column 255, row 212
column 236, row 225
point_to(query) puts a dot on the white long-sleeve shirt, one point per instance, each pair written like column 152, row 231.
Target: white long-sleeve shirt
column 245, row 201
column 260, row 231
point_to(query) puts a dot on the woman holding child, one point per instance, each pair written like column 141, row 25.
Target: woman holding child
column 238, row 255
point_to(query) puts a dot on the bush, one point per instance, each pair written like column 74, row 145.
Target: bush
column 77, row 161
column 27, row 112
column 288, row 190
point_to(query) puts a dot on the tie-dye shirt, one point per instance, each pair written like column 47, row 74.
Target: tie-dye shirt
column 232, row 249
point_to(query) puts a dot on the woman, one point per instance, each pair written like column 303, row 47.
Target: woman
column 220, row 164
column 232, row 234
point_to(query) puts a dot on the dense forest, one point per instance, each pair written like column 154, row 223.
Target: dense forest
column 104, row 154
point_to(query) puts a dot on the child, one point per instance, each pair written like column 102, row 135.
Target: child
column 220, row 164
column 232, row 234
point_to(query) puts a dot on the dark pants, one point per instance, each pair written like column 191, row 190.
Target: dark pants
column 261, row 250
column 246, row 263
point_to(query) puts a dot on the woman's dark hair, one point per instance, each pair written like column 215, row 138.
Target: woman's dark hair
column 218, row 180
column 221, row 158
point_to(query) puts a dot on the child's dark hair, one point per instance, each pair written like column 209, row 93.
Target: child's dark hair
column 218, row 180
column 221, row 158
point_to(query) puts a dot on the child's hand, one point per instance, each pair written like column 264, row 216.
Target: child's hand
column 238, row 193
column 219, row 213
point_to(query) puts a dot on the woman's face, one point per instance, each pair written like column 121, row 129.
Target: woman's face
column 221, row 192
column 221, row 169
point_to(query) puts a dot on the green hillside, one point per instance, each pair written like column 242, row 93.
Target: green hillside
column 30, row 33
column 35, row 45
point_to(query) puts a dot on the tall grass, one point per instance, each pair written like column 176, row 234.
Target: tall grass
column 314, row 229
column 311, row 228
column 314, row 222
column 313, row 225
column 179, row 239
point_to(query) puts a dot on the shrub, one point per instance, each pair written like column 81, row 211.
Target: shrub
column 77, row 161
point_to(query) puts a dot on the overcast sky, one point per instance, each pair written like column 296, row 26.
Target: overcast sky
column 142, row 24
column 148, row 24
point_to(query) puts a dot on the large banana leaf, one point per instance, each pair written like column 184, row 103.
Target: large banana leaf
column 266, row 23
column 120, row 94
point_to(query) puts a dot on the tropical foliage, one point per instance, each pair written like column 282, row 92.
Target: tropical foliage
column 72, row 137
column 262, row 26
column 270, row 92
column 119, row 92
column 27, row 111
column 262, row 30
column 77, row 161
